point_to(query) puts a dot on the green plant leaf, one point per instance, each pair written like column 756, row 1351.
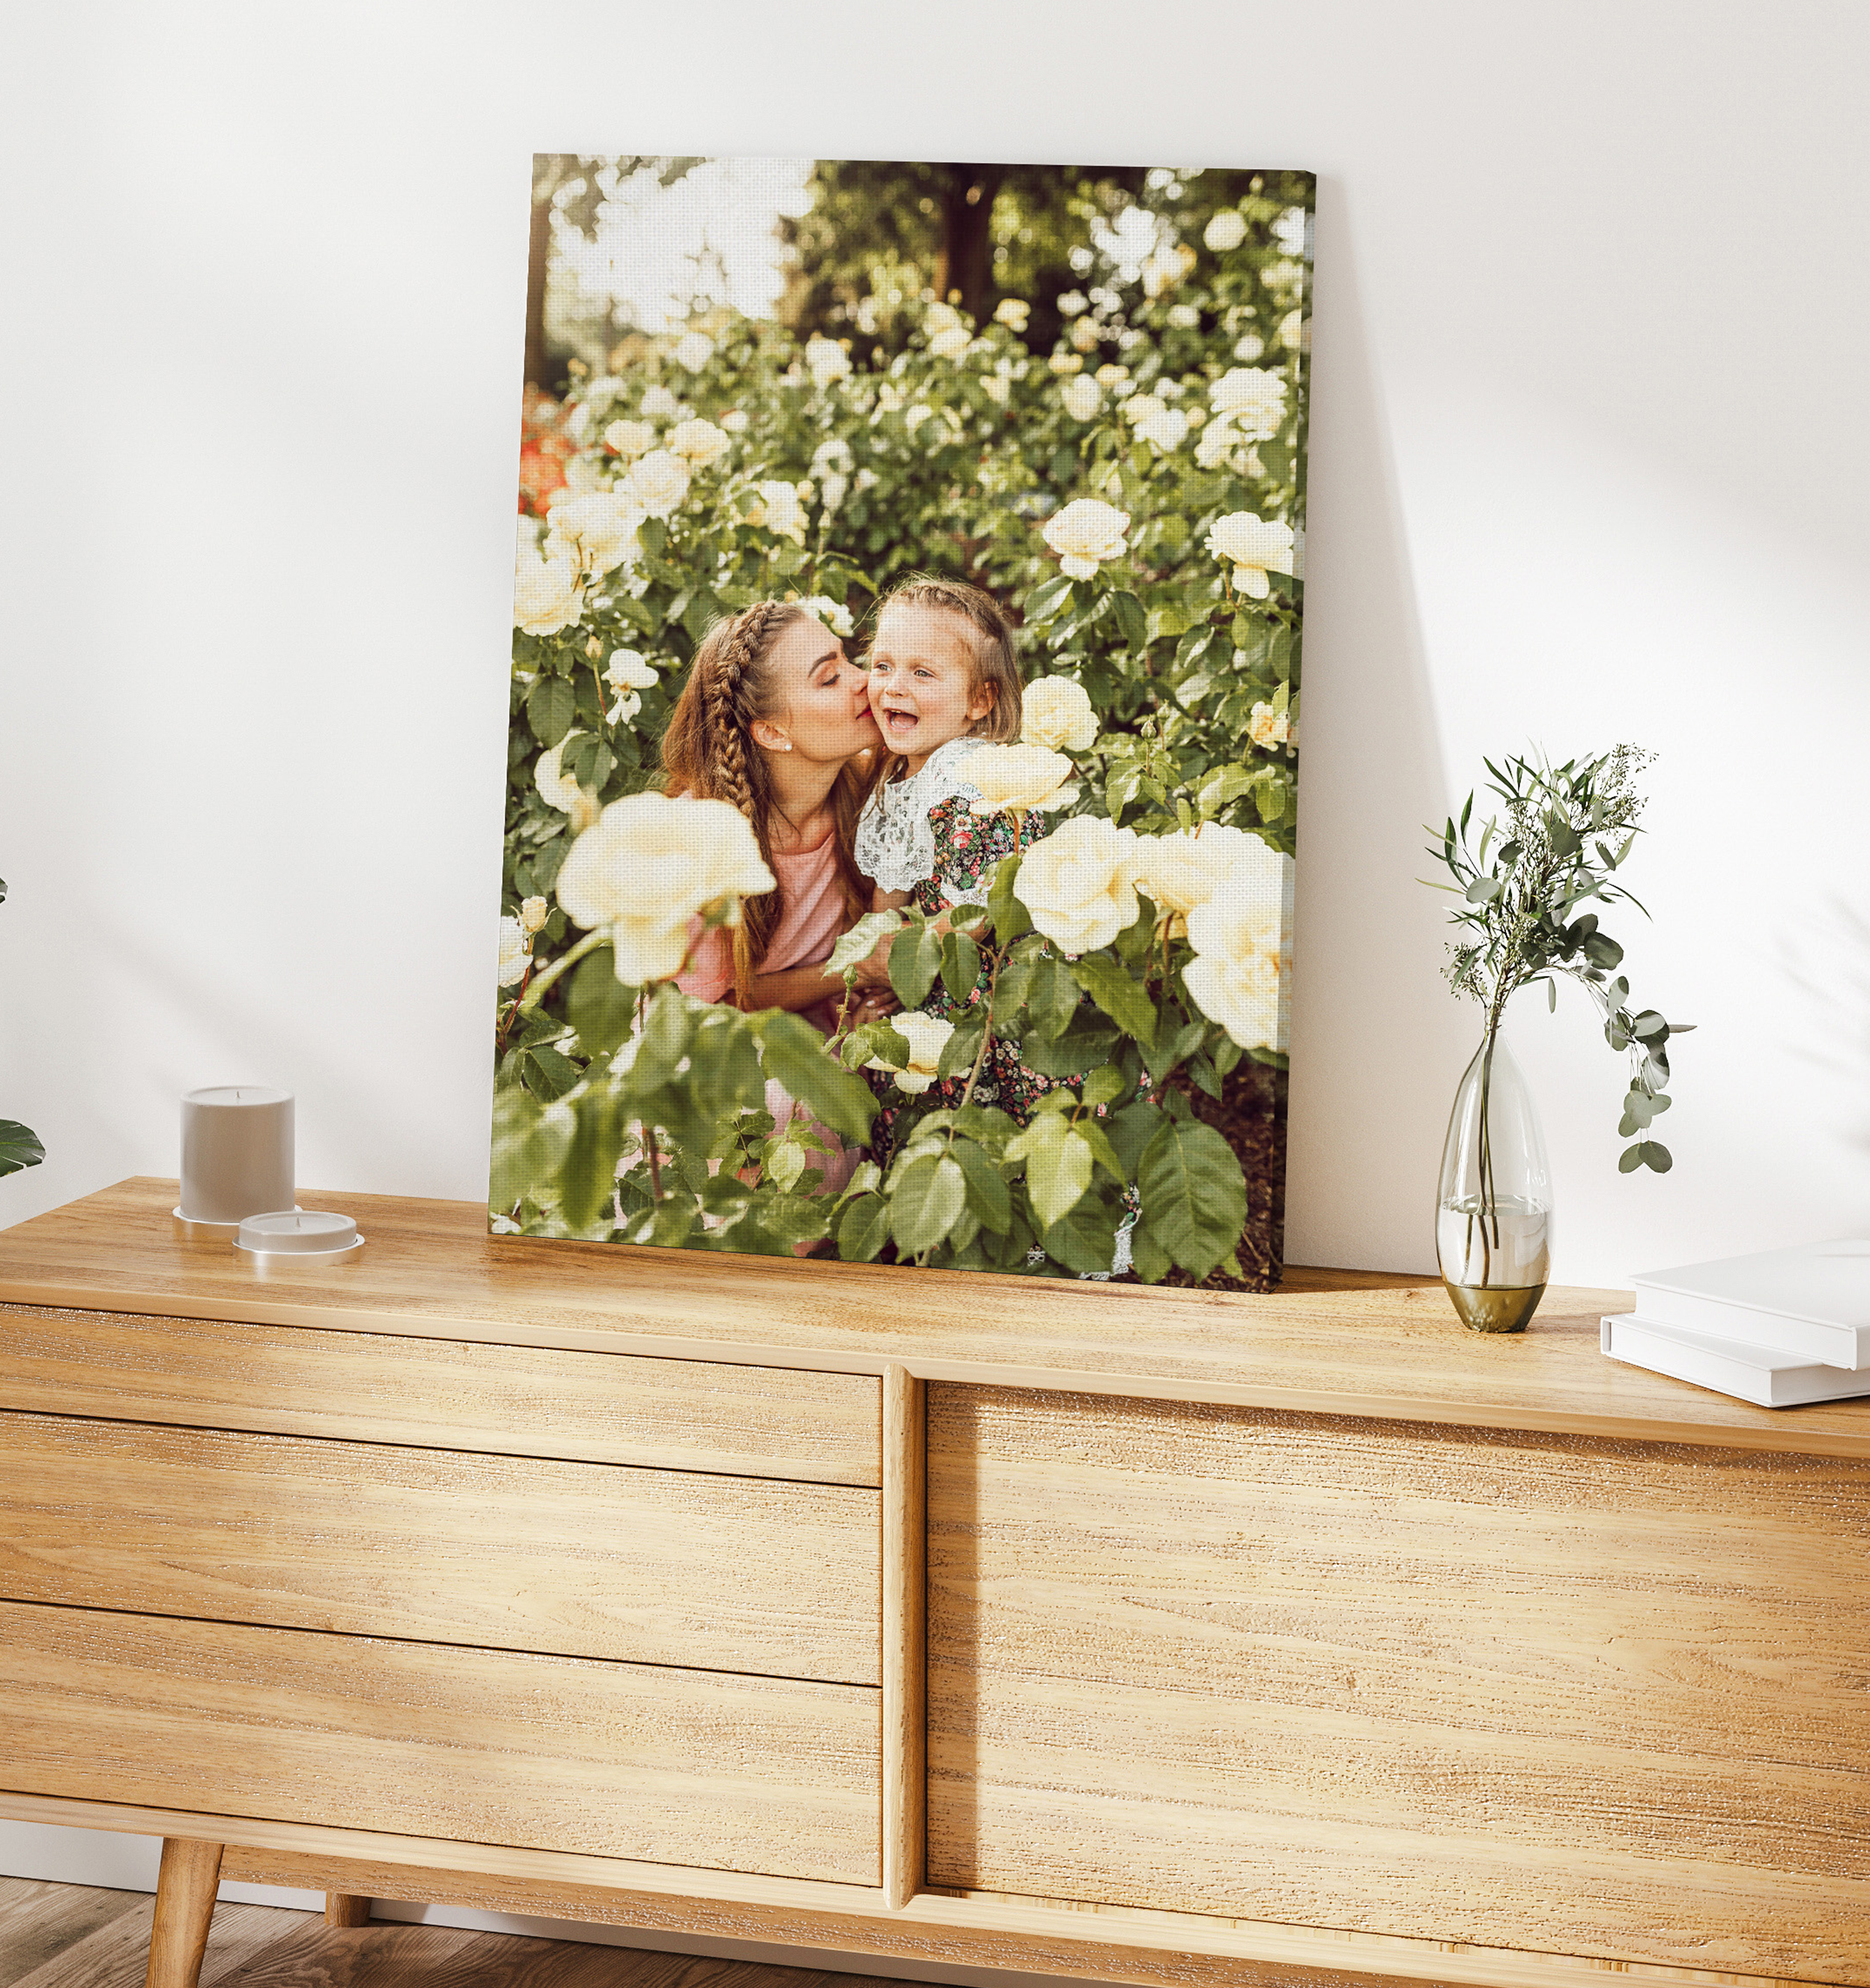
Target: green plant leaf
column 1078, row 1050
column 599, row 1006
column 1011, row 920
column 1132, row 623
column 864, row 1229
column 1058, row 1166
column 1659, row 1159
column 546, row 1074
column 988, row 1194
column 587, row 1178
column 1153, row 1262
column 20, row 1148
column 960, row 965
column 1194, row 1195
column 1120, row 995
column 959, row 1051
column 914, row 961
column 925, row 1201
column 857, row 944
column 1085, row 1240
column 1053, row 1000
column 551, row 706
column 793, row 1051
column 1044, row 602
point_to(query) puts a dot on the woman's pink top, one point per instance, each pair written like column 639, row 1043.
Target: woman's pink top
column 811, row 915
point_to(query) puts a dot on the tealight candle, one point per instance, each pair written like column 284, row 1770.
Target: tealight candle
column 300, row 1235
column 236, row 1152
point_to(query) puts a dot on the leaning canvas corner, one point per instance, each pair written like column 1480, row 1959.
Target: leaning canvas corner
column 903, row 775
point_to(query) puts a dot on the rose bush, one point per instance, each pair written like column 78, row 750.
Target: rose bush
column 1134, row 495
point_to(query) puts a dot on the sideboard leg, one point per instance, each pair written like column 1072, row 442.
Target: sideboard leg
column 904, row 1708
column 185, row 1888
column 346, row 1908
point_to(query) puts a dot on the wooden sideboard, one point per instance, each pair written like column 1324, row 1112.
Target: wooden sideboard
column 1304, row 1641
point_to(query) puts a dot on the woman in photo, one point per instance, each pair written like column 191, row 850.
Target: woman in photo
column 775, row 720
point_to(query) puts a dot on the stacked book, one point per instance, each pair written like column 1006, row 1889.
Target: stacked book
column 1790, row 1326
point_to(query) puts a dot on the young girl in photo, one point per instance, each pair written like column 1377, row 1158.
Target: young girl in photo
column 943, row 682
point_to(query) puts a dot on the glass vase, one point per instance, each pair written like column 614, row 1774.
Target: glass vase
column 1493, row 1218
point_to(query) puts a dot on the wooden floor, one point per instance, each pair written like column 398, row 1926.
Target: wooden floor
column 77, row 1936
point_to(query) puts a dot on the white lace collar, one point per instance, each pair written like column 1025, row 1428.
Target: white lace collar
column 896, row 846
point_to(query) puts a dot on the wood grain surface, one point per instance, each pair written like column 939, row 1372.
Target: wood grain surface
column 659, row 1566
column 82, row 1936
column 946, row 1931
column 905, row 1711
column 185, row 1890
column 1528, row 1691
column 677, row 1766
column 1336, row 1342
column 520, row 1401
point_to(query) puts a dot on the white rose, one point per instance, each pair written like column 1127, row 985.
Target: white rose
column 557, row 788
column 629, row 438
column 1184, row 317
column 698, row 442
column 916, row 416
column 694, row 349
column 1295, row 332
column 1138, row 406
column 1267, row 727
column 533, row 912
column 1087, row 532
column 1112, row 375
column 548, row 592
column 1183, row 870
column 1224, row 231
column 826, row 361
column 1079, row 883
column 940, row 318
column 1253, row 399
column 1056, row 713
column 835, row 616
column 1013, row 313
column 927, row 1036
column 951, row 344
column 1066, row 362
column 777, row 506
column 514, row 956
column 599, row 530
column 998, row 391
column 1254, row 547
column 1085, row 334
column 1082, row 397
column 659, row 482
column 1250, row 347
column 734, row 421
column 1240, row 967
column 1282, row 275
column 1217, row 439
column 1073, row 302
column 661, row 405
column 1019, row 776
column 833, row 453
column 1167, row 428
column 651, row 865
column 1161, row 270
column 836, row 488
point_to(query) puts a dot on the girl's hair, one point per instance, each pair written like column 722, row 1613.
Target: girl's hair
column 993, row 664
column 708, row 751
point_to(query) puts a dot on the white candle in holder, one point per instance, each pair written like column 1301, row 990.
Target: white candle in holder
column 236, row 1152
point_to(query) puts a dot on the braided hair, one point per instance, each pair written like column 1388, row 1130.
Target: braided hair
column 708, row 751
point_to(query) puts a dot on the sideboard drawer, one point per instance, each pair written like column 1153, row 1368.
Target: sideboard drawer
column 603, row 1408
column 671, row 1766
column 666, row 1567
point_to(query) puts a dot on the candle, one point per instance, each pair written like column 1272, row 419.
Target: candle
column 236, row 1152
column 302, row 1236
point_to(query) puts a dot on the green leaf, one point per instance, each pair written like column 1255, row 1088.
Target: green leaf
column 1011, row 985
column 1164, row 621
column 793, row 1051
column 1102, row 1086
column 988, row 1195
column 546, row 1074
column 1648, row 1024
column 1194, row 1195
column 1054, row 999
column 1132, row 622
column 960, row 965
column 1484, row 889
column 914, row 961
column 1659, row 1159
column 864, row 1229
column 1629, row 1159
column 1130, row 1130
column 959, row 1051
column 1120, row 995
column 588, row 1176
column 925, row 1201
column 1058, row 1166
column 664, row 1039
column 857, row 944
column 1011, row 920
column 1078, row 1050
column 551, row 706
column 1085, row 1240
column 652, row 536
column 1153, row 1262
column 1093, row 1134
column 599, row 1006
column 20, row 1148
column 1044, row 602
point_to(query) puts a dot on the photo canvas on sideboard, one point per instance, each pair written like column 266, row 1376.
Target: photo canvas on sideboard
column 902, row 755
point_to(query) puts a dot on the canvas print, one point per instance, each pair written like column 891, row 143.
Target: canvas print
column 903, row 753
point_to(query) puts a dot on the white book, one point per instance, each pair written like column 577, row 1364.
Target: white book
column 1772, row 1379
column 1814, row 1300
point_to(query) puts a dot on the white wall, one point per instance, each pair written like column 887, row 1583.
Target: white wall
column 1590, row 420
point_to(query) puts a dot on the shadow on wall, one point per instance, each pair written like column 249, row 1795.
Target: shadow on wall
column 1826, row 959
column 1378, row 1042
